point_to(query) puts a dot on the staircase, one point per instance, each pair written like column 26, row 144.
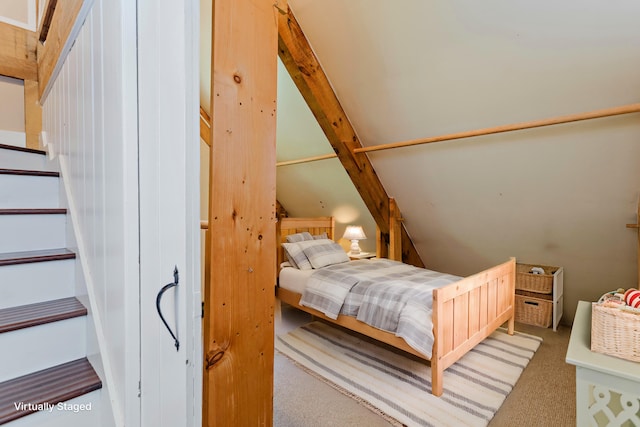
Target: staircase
column 45, row 377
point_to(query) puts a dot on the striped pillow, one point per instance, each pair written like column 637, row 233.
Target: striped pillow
column 295, row 255
column 323, row 252
column 299, row 237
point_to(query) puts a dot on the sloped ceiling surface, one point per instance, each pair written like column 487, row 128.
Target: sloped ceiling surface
column 558, row 195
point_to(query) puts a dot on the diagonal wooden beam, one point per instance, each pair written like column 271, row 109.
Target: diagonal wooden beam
column 18, row 52
column 305, row 70
column 205, row 127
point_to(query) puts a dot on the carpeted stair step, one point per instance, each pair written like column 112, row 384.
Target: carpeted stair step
column 56, row 211
column 21, row 149
column 40, row 313
column 12, row 258
column 47, row 387
column 27, row 172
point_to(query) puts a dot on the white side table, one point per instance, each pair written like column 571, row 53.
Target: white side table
column 607, row 388
column 361, row 255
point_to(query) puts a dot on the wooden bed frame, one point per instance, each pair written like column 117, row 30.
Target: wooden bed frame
column 464, row 312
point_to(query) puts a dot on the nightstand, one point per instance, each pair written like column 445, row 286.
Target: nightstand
column 361, row 255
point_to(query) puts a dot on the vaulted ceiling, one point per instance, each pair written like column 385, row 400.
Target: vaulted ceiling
column 557, row 195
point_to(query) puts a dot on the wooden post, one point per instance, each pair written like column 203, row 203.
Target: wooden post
column 637, row 227
column 395, row 231
column 32, row 114
column 239, row 293
column 382, row 246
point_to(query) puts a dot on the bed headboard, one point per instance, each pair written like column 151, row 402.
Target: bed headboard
column 315, row 226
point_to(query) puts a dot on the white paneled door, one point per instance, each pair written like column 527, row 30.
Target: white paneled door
column 169, row 145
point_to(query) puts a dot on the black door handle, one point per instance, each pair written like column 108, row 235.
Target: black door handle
column 159, row 298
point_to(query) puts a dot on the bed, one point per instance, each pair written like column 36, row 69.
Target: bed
column 464, row 312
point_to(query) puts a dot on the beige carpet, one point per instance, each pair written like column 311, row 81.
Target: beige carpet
column 399, row 386
column 544, row 395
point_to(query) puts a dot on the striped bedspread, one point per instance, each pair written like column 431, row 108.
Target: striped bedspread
column 385, row 294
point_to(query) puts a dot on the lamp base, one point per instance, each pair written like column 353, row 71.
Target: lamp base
column 355, row 248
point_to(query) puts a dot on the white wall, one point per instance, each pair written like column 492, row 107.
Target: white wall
column 90, row 121
column 12, row 111
column 12, row 106
column 21, row 13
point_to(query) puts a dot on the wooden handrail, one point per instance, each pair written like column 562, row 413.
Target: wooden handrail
column 625, row 109
column 46, row 20
column 66, row 24
column 307, row 159
column 633, row 108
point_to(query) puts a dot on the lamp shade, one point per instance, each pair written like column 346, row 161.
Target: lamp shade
column 354, row 232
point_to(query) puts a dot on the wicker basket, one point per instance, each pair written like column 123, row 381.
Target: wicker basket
column 534, row 308
column 615, row 332
column 541, row 283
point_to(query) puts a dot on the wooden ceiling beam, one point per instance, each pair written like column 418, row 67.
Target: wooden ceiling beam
column 305, row 70
column 18, row 52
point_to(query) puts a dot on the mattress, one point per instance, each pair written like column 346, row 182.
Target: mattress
column 293, row 279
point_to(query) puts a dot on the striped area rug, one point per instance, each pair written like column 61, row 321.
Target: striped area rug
column 399, row 387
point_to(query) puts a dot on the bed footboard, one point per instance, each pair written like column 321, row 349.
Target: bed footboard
column 466, row 312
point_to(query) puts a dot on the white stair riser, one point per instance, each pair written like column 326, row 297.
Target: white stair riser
column 32, row 232
column 15, row 138
column 25, row 191
column 64, row 416
column 40, row 347
column 12, row 159
column 23, row 284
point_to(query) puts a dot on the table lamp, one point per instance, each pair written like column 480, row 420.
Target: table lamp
column 354, row 233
